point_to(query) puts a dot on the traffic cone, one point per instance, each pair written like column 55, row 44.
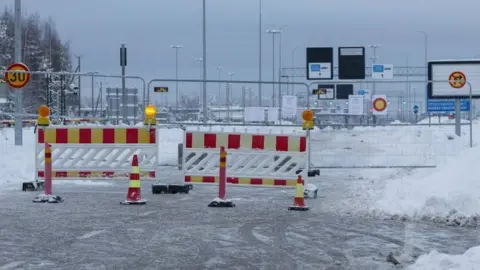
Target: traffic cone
column 134, row 189
column 299, row 200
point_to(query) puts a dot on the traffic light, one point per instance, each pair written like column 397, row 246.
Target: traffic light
column 308, row 118
column 43, row 116
column 150, row 115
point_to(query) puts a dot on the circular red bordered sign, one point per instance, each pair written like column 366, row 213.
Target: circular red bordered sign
column 379, row 104
column 457, row 79
column 15, row 79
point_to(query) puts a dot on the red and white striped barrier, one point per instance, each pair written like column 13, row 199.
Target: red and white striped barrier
column 255, row 159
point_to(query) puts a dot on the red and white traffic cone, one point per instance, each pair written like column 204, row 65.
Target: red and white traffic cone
column 134, row 195
column 299, row 200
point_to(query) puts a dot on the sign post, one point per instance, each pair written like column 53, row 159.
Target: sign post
column 123, row 64
column 18, row 80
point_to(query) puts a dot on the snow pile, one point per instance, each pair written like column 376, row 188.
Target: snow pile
column 437, row 261
column 16, row 162
column 448, row 194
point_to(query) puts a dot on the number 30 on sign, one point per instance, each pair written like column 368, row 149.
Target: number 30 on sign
column 17, row 79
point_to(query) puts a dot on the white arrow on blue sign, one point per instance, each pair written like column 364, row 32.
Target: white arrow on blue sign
column 415, row 109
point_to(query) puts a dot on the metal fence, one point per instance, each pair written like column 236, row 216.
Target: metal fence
column 85, row 95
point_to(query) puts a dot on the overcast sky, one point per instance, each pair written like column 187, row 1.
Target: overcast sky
column 149, row 27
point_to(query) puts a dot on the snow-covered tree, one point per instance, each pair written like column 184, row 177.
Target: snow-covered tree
column 42, row 50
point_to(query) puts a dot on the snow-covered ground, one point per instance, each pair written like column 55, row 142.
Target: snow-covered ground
column 434, row 260
column 448, row 193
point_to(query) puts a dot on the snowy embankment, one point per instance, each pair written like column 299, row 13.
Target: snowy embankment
column 447, row 194
column 435, row 261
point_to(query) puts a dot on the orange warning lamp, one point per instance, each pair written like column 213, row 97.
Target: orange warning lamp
column 150, row 115
column 308, row 118
column 43, row 116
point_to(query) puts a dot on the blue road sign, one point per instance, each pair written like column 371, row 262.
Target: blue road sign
column 439, row 105
column 378, row 68
column 361, row 92
column 415, row 109
column 315, row 67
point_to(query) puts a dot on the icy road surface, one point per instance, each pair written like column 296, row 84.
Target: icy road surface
column 91, row 230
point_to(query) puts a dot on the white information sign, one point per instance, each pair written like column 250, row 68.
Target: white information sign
column 272, row 114
column 355, row 104
column 289, row 106
column 320, row 70
column 382, row 71
column 254, row 114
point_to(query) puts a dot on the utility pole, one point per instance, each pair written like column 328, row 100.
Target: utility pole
column 205, row 114
column 176, row 47
column 18, row 59
column 273, row 32
column 201, row 75
column 374, row 60
column 260, row 53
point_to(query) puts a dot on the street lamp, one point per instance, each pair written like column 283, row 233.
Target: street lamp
column 176, row 47
column 200, row 60
column 280, row 65
column 229, row 91
column 219, row 68
column 260, row 52
column 273, row 32
column 374, row 60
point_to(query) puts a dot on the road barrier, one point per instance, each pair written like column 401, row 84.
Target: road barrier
column 255, row 159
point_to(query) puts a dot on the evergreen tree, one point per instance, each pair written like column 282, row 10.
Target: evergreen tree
column 42, row 50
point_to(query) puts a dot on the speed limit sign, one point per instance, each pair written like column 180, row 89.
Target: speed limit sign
column 17, row 79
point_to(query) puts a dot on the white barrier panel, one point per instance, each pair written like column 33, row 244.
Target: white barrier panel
column 269, row 160
column 97, row 152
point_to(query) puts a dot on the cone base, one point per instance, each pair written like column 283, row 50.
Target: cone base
column 127, row 202
column 42, row 198
column 298, row 208
column 221, row 203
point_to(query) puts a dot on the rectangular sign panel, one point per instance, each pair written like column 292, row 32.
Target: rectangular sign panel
column 382, row 71
column 453, row 79
column 320, row 63
column 355, row 104
column 351, row 63
column 438, row 105
column 325, row 91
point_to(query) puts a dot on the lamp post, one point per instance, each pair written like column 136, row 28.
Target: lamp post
column 273, row 32
column 176, row 47
column 219, row 69
column 425, row 40
column 374, row 60
column 200, row 60
column 260, row 53
column 228, row 99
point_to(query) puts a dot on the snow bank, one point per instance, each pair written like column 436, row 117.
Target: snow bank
column 437, row 261
column 16, row 162
column 449, row 193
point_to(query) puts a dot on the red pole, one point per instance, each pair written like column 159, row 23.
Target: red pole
column 48, row 169
column 222, row 182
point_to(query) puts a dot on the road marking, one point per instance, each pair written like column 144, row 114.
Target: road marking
column 11, row 265
column 90, row 234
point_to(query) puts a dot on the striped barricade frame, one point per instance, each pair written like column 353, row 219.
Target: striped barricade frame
column 267, row 160
column 97, row 152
